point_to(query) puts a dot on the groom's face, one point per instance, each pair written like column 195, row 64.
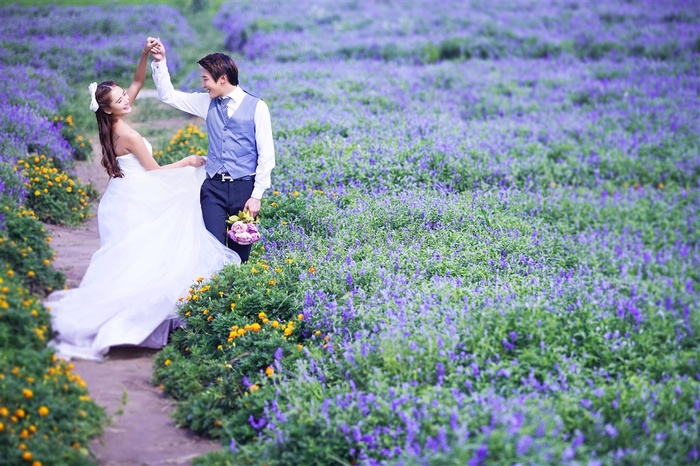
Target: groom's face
column 213, row 87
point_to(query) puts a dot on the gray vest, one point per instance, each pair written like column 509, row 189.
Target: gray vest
column 232, row 147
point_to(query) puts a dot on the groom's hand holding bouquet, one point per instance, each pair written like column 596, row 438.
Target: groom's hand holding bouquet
column 244, row 228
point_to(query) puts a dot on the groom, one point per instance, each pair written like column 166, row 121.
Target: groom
column 241, row 151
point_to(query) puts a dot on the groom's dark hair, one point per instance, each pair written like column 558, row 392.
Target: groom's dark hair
column 219, row 64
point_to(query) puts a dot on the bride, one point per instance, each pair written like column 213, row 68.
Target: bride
column 153, row 242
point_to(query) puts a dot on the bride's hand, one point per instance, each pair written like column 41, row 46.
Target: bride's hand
column 150, row 43
column 195, row 160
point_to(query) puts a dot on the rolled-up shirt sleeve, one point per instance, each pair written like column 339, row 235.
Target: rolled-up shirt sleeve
column 194, row 103
column 266, row 150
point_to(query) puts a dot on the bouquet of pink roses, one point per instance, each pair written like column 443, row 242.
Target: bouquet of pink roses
column 244, row 228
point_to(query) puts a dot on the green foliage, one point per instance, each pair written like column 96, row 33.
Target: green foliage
column 26, row 251
column 82, row 146
column 235, row 323
column 46, row 414
column 189, row 140
column 55, row 195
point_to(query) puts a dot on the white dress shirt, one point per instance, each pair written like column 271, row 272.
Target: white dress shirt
column 197, row 103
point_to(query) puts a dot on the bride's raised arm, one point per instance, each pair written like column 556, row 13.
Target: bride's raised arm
column 140, row 74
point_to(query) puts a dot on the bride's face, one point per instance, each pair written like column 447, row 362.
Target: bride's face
column 120, row 103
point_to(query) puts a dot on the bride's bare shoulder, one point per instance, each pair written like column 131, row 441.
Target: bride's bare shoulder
column 127, row 140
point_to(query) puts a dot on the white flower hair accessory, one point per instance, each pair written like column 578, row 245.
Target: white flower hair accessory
column 93, row 102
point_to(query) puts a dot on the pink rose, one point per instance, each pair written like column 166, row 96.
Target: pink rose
column 239, row 227
column 244, row 238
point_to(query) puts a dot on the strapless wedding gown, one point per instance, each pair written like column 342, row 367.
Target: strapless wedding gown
column 153, row 247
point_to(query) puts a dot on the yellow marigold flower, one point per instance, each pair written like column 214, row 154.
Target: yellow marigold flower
column 37, row 463
column 2, row 427
column 31, row 274
column 43, row 411
column 205, row 311
column 272, row 283
column 37, row 193
column 19, row 413
column 300, row 346
column 287, row 332
column 253, row 387
column 269, row 371
column 167, row 362
column 312, row 270
column 300, row 317
column 27, row 456
column 46, row 262
column 255, row 327
column 4, row 412
column 69, row 189
column 275, row 324
column 27, row 393
column 254, row 270
column 24, row 433
column 661, row 186
column 210, row 318
column 200, row 279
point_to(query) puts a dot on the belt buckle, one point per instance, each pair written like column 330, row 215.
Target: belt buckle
column 225, row 177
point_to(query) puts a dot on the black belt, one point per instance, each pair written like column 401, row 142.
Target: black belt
column 226, row 177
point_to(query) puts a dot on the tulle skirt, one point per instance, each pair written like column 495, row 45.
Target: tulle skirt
column 153, row 247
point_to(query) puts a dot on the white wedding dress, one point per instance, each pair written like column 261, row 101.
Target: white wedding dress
column 153, row 247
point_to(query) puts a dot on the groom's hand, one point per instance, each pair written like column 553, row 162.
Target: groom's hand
column 252, row 206
column 158, row 50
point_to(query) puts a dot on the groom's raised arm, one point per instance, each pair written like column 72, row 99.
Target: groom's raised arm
column 195, row 103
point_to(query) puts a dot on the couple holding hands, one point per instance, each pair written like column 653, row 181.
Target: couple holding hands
column 162, row 227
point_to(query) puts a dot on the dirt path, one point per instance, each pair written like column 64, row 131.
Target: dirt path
column 141, row 431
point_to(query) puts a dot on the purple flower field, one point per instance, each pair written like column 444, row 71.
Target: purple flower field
column 482, row 243
column 486, row 219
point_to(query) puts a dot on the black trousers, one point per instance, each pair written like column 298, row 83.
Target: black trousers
column 220, row 200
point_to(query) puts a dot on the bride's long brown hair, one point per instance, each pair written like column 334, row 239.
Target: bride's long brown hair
column 105, row 127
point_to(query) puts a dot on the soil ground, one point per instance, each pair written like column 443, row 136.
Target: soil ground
column 141, row 431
